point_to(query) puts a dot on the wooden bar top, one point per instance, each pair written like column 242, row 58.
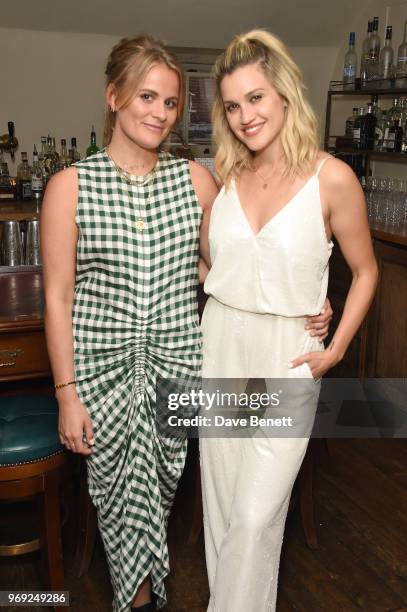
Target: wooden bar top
column 21, row 301
column 22, row 298
column 20, row 211
column 396, row 234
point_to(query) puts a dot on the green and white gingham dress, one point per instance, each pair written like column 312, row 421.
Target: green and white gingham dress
column 134, row 318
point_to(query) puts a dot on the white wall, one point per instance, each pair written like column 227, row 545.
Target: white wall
column 53, row 82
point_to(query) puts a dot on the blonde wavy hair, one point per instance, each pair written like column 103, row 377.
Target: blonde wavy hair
column 299, row 136
column 127, row 66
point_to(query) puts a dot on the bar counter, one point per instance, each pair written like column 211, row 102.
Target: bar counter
column 19, row 211
column 379, row 348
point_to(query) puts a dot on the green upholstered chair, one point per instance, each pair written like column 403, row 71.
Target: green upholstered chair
column 31, row 465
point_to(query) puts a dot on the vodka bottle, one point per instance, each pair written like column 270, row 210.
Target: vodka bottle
column 386, row 72
column 372, row 69
column 364, row 54
column 350, row 64
column 401, row 70
column 375, row 43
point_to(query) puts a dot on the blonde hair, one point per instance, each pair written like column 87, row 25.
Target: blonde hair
column 299, row 135
column 127, row 66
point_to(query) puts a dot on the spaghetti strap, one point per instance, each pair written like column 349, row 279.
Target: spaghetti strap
column 321, row 163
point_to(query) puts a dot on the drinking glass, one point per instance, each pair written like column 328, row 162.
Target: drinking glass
column 11, row 245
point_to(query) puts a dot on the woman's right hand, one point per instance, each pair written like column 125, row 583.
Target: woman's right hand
column 75, row 426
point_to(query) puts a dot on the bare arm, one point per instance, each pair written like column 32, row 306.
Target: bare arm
column 348, row 221
column 59, row 236
column 206, row 190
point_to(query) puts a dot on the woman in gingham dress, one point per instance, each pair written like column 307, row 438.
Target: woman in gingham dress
column 120, row 235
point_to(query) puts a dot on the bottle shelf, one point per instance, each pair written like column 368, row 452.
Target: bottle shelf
column 337, row 89
column 378, row 155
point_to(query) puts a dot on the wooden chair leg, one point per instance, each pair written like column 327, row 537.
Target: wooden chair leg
column 87, row 525
column 50, row 532
column 305, row 481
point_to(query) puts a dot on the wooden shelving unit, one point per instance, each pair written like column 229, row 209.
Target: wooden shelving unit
column 369, row 154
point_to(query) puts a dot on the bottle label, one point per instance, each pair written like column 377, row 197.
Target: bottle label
column 356, row 134
column 349, row 72
column 391, row 139
column 36, row 184
column 26, row 190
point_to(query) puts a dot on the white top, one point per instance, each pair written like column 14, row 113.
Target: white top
column 281, row 270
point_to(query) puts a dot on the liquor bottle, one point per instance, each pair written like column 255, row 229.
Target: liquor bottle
column 350, row 64
column 76, row 156
column 48, row 161
column 357, row 128
column 401, row 70
column 64, row 160
column 92, row 148
column 7, row 185
column 367, row 128
column 364, row 54
column 375, row 43
column 377, row 111
column 37, row 184
column 403, row 104
column 386, row 71
column 24, row 178
column 394, row 111
column 55, row 154
column 43, row 150
column 395, row 138
column 372, row 69
column 350, row 122
column 382, row 132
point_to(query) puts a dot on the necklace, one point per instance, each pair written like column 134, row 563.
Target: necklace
column 136, row 181
column 265, row 180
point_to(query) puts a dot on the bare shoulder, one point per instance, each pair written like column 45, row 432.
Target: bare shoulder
column 61, row 194
column 65, row 180
column 204, row 184
column 200, row 173
column 336, row 174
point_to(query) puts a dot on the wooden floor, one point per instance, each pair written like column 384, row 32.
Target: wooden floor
column 361, row 563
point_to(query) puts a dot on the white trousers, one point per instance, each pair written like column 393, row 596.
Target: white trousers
column 247, row 482
column 246, row 486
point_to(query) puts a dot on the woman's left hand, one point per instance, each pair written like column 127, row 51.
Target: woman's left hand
column 319, row 362
column 319, row 324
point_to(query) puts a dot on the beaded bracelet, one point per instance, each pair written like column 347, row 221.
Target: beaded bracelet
column 62, row 385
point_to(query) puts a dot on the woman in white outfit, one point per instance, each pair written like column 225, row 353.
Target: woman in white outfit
column 270, row 242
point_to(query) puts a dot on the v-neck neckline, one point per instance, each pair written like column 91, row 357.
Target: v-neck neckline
column 273, row 217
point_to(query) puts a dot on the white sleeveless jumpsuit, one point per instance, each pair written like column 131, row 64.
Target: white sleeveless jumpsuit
column 261, row 288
